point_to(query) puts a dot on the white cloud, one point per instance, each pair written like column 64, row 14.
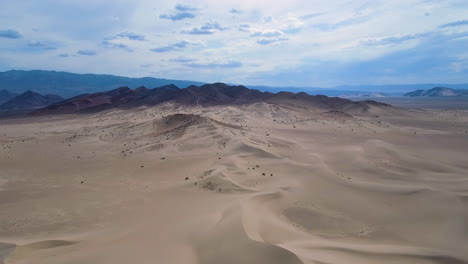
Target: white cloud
column 248, row 37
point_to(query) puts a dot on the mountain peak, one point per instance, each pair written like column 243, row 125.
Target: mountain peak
column 438, row 92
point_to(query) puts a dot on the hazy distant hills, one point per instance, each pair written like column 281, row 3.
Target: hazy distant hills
column 366, row 95
column 70, row 84
column 352, row 91
column 438, row 92
column 6, row 95
column 29, row 100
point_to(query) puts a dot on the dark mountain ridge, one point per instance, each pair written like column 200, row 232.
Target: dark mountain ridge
column 205, row 95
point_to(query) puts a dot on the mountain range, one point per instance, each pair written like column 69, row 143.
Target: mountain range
column 438, row 92
column 204, row 95
column 71, row 84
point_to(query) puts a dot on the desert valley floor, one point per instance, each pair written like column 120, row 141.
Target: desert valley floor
column 259, row 183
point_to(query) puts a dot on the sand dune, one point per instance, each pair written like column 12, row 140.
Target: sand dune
column 227, row 242
column 268, row 182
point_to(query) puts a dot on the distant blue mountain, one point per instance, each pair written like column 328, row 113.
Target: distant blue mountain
column 6, row 95
column 359, row 90
column 29, row 100
column 403, row 88
column 70, row 84
column 323, row 91
column 438, row 92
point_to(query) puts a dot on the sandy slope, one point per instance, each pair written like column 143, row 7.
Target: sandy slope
column 248, row 184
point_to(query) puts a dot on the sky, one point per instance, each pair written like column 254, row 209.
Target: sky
column 306, row 43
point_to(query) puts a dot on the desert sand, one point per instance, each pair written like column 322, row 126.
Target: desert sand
column 259, row 183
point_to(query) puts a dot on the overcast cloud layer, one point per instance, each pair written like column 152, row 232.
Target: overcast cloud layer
column 263, row 42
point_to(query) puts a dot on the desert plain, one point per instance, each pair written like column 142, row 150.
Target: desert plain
column 256, row 183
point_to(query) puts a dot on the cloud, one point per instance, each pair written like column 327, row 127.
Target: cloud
column 178, row 16
column 183, row 12
column 455, row 24
column 245, row 28
column 341, row 31
column 86, row 52
column 174, row 47
column 392, row 40
column 112, row 45
column 10, row 33
column 437, row 58
column 63, row 55
column 267, row 34
column 207, row 29
column 214, row 65
column 40, row 45
column 108, row 42
column 270, row 41
column 347, row 22
column 235, row 11
column 146, row 65
column 197, row 31
column 309, row 16
column 184, row 8
column 130, row 35
column 182, row 60
column 268, row 19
